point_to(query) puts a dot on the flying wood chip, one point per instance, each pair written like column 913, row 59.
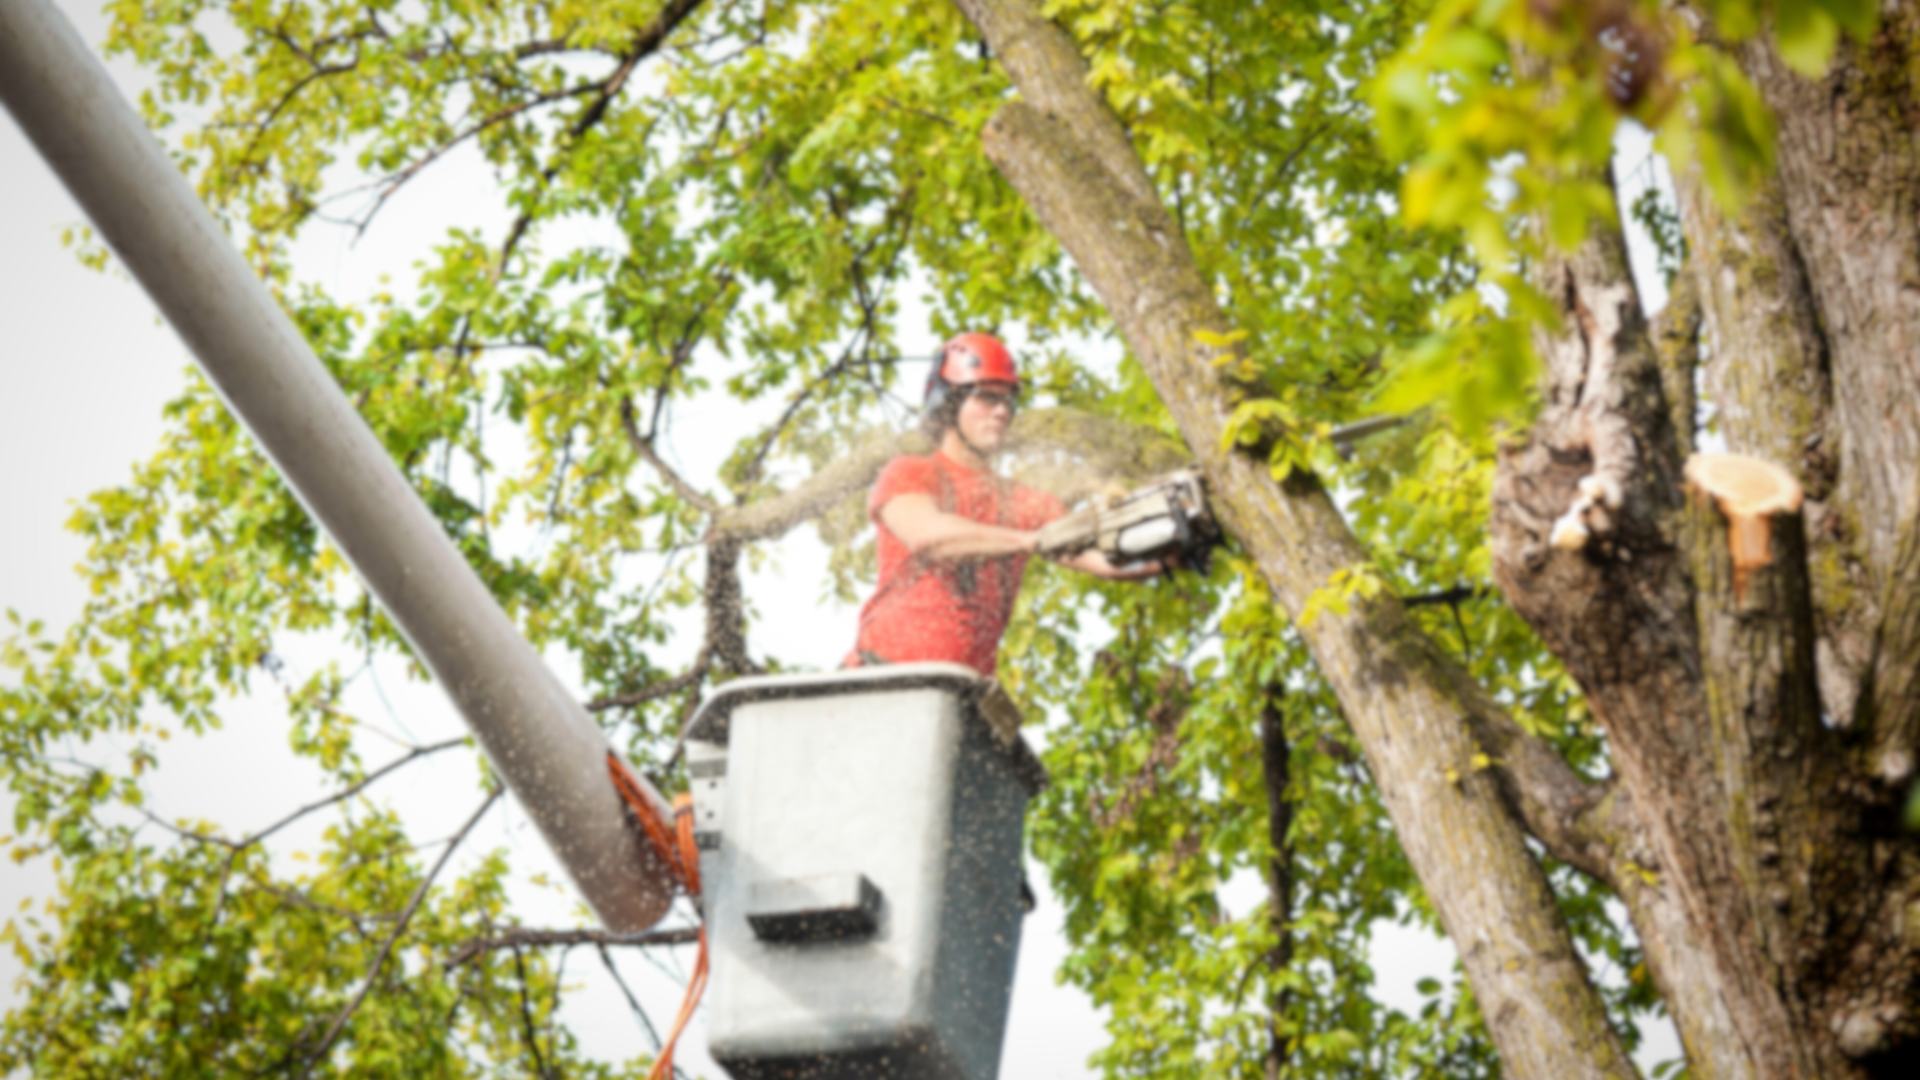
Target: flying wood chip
column 1749, row 492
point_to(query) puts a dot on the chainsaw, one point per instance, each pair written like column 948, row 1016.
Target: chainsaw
column 1166, row 519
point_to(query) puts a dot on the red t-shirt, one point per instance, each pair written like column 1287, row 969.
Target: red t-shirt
column 947, row 610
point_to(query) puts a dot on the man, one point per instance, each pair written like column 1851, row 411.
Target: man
column 954, row 538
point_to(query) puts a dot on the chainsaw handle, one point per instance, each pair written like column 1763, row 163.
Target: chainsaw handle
column 1070, row 535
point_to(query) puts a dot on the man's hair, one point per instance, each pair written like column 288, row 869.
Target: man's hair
column 934, row 422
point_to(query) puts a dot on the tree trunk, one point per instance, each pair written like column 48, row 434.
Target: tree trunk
column 1276, row 758
column 1760, row 737
column 1811, row 296
column 1427, row 730
column 1621, row 615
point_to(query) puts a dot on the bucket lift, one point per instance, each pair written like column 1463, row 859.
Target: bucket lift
column 860, row 847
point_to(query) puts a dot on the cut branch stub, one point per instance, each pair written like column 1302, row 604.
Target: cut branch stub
column 1749, row 492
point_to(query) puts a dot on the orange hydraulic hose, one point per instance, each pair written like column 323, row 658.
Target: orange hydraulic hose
column 675, row 847
column 659, row 833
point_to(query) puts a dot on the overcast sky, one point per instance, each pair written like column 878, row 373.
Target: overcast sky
column 89, row 366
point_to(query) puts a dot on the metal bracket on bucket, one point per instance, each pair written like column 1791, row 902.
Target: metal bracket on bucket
column 827, row 907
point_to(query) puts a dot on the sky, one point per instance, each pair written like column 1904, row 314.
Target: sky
column 89, row 365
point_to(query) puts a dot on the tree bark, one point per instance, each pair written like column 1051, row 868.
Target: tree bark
column 1849, row 167
column 1277, row 764
column 1431, row 735
column 1767, row 373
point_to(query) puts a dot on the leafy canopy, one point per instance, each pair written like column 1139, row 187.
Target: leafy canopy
column 749, row 205
column 1506, row 113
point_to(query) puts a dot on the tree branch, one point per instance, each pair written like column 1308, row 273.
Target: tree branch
column 553, row 45
column 646, row 42
column 526, row 1018
column 415, row 754
column 686, row 680
column 1277, row 764
column 682, row 351
column 188, row 834
column 523, row 939
column 643, row 446
column 899, row 215
column 640, row 1014
column 726, row 636
column 757, row 460
column 1554, row 802
column 1455, row 595
column 391, row 186
column 1676, row 343
column 1064, row 451
column 317, row 73
column 1890, row 698
column 386, row 947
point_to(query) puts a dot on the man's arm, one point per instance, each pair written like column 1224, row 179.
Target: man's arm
column 935, row 534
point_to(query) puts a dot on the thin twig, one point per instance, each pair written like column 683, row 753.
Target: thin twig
column 751, row 472
column 704, row 503
column 187, row 834
column 682, row 351
column 518, row 939
column 1286, row 163
column 318, row 73
column 646, row 1023
column 1466, row 642
column 645, row 43
column 865, row 332
column 679, row 682
column 391, row 185
column 386, row 948
column 415, row 754
column 300, row 899
column 526, row 1018
column 1445, row 596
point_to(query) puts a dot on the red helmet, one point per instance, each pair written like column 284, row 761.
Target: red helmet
column 969, row 359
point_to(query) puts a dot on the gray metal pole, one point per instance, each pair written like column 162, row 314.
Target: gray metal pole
column 542, row 742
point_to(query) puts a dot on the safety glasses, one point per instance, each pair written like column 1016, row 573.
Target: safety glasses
column 993, row 399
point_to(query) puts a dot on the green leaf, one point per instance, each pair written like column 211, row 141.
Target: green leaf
column 1860, row 18
column 1567, row 216
column 1806, row 33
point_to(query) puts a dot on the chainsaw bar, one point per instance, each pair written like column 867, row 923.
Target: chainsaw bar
column 1168, row 517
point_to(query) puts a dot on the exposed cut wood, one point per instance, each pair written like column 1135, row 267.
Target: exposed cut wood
column 1749, row 492
column 1571, row 532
